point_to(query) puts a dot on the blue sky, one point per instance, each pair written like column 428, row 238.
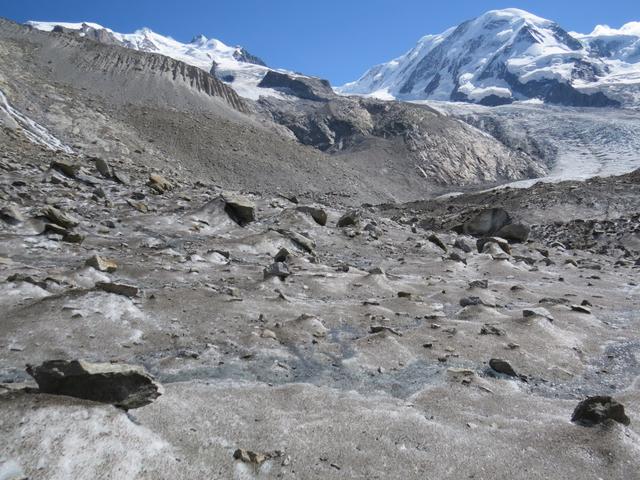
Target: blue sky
column 334, row 39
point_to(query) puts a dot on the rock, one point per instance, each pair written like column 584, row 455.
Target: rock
column 462, row 244
column 118, row 288
column 67, row 167
column 488, row 329
column 125, row 386
column 487, row 222
column 120, row 177
column 101, row 264
column 302, row 241
column 487, row 301
column 537, row 312
column 240, row 209
column 349, row 219
column 581, row 309
column 502, row 366
column 515, row 232
column 318, row 214
column 159, row 183
column 248, row 456
column 139, row 206
column 456, row 257
column 599, row 409
column 479, row 284
column 73, row 237
column 482, row 243
column 60, row 218
column 433, row 238
column 11, row 215
column 277, row 269
column 381, row 328
column 103, row 167
column 376, row 271
column 282, row 256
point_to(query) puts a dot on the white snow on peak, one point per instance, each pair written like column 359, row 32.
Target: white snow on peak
column 493, row 54
column 202, row 52
column 631, row 28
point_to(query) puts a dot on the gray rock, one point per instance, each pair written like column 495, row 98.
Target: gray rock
column 240, row 209
column 462, row 244
column 482, row 244
column 487, row 222
column 126, row 386
column 103, row 167
column 479, row 284
column 599, row 409
column 349, row 219
column 581, row 309
column 318, row 214
column 302, row 241
column 60, row 218
column 11, row 215
column 515, row 232
column 537, row 312
column 276, row 269
column 67, row 167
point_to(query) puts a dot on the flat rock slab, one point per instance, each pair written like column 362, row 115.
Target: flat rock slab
column 125, row 386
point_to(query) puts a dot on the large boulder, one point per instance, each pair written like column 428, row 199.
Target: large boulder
column 487, row 222
column 240, row 209
column 514, row 232
column 125, row 386
column 318, row 214
column 598, row 409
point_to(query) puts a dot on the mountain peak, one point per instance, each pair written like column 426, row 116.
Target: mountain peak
column 509, row 55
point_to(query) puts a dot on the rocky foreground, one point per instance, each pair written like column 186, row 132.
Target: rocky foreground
column 227, row 335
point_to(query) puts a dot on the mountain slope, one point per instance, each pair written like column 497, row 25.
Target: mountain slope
column 233, row 65
column 508, row 55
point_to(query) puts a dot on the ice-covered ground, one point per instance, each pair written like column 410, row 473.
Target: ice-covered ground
column 590, row 142
column 35, row 132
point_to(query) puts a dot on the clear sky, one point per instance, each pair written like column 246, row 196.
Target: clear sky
column 333, row 39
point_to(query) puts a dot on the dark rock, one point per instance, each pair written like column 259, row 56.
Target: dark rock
column 282, row 256
column 488, row 329
column 537, row 312
column 118, row 288
column 515, row 232
column 126, row 386
column 462, row 244
column 349, row 219
column 581, row 309
column 456, row 257
column 433, row 238
column 60, row 218
column 103, row 167
column 479, row 284
column 101, row 264
column 11, row 215
column 502, row 366
column 318, row 214
column 599, row 409
column 277, row 269
column 240, row 209
column 67, row 167
column 300, row 86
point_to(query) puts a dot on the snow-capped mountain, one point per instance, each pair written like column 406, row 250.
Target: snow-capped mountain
column 234, row 65
column 508, row 55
